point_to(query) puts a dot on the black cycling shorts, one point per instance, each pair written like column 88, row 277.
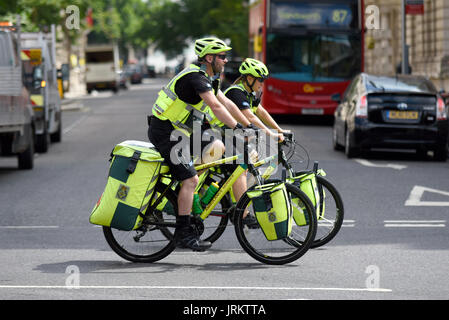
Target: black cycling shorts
column 159, row 134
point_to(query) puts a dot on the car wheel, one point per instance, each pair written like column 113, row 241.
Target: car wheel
column 335, row 143
column 440, row 154
column 350, row 150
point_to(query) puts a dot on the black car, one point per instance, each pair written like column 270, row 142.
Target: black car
column 398, row 112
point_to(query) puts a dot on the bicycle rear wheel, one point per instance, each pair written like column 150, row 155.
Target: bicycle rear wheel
column 217, row 221
column 148, row 243
column 277, row 252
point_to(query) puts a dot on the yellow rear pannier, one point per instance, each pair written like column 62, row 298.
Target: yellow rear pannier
column 133, row 173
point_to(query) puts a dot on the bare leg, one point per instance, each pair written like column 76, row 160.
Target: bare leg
column 185, row 196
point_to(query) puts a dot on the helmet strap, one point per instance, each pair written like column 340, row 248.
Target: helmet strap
column 250, row 86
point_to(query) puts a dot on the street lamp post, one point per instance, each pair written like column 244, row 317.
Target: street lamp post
column 405, row 64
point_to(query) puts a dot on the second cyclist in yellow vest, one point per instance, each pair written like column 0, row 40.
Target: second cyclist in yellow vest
column 245, row 93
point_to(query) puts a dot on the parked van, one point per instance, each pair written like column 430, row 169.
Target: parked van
column 40, row 74
column 102, row 66
column 16, row 114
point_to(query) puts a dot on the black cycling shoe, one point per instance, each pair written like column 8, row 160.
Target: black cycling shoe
column 251, row 222
column 187, row 239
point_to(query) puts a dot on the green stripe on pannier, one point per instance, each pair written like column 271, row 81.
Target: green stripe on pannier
column 271, row 204
column 133, row 174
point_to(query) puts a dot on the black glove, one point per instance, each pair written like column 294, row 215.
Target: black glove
column 252, row 127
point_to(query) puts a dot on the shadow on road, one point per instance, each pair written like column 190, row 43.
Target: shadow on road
column 120, row 266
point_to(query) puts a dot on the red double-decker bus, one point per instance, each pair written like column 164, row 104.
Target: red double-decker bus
column 312, row 50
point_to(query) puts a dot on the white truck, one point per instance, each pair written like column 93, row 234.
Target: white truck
column 38, row 50
column 102, row 67
column 16, row 115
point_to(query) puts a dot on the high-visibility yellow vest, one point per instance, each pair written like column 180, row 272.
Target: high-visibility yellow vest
column 181, row 114
column 217, row 123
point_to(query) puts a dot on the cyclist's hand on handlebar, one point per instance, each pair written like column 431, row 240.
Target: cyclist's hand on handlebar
column 281, row 137
column 288, row 136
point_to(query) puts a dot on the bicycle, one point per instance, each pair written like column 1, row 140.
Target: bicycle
column 153, row 240
column 330, row 210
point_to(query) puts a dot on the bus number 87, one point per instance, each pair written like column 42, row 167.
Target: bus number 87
column 339, row 16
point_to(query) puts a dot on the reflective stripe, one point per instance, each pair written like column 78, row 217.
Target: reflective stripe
column 199, row 113
column 208, row 117
column 170, row 93
column 158, row 109
column 183, row 126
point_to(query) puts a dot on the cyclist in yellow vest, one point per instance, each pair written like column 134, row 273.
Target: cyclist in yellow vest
column 183, row 104
column 245, row 93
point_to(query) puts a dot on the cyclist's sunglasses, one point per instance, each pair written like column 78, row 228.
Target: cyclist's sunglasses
column 221, row 56
column 261, row 80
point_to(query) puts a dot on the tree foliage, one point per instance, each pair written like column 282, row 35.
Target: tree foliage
column 169, row 24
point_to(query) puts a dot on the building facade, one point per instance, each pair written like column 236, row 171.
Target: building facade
column 427, row 36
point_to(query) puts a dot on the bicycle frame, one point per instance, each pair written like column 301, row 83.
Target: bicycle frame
column 238, row 171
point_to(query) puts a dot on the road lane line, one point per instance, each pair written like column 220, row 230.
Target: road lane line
column 195, row 288
column 367, row 163
column 73, row 125
column 414, row 223
column 29, row 227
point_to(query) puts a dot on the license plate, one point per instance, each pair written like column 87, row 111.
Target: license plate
column 101, row 85
column 403, row 115
column 314, row 111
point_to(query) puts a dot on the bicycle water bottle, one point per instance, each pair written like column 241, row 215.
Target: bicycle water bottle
column 210, row 193
column 196, row 205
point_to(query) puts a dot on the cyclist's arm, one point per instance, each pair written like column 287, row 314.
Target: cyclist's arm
column 256, row 121
column 218, row 109
column 267, row 119
column 233, row 109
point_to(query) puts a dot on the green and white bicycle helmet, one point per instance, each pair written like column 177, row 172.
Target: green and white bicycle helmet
column 254, row 67
column 210, row 46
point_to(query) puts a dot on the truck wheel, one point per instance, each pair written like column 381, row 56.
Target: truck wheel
column 26, row 158
column 42, row 142
column 56, row 136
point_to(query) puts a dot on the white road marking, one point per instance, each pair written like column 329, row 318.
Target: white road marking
column 415, row 223
column 416, row 194
column 330, row 223
column 374, row 165
column 29, row 227
column 73, row 125
column 193, row 288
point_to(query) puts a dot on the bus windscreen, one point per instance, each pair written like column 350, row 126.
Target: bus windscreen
column 313, row 57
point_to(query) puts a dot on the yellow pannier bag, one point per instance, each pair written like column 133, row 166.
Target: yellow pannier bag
column 271, row 204
column 133, row 173
column 307, row 182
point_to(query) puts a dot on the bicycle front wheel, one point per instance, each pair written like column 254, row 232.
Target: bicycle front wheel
column 277, row 252
column 331, row 214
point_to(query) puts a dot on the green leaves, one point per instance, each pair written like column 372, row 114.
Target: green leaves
column 176, row 23
column 169, row 24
